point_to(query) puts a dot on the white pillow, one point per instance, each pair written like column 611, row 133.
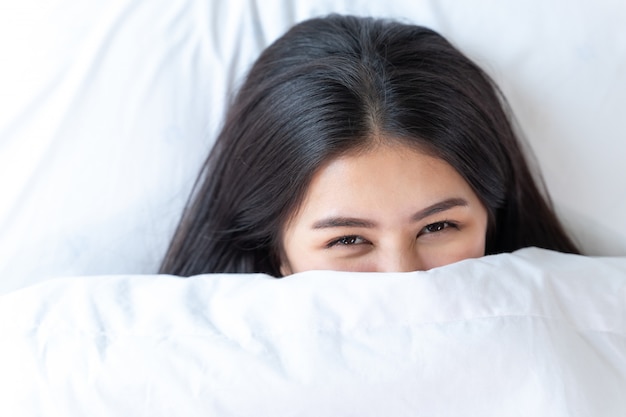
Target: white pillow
column 534, row 333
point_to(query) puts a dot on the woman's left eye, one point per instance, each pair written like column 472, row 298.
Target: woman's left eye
column 438, row 227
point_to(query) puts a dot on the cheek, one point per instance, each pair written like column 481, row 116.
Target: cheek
column 296, row 261
column 296, row 256
column 472, row 247
column 316, row 262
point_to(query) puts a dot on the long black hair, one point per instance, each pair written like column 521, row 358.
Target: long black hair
column 326, row 87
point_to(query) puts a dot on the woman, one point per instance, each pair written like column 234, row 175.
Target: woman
column 366, row 145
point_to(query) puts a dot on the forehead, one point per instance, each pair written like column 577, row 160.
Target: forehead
column 383, row 180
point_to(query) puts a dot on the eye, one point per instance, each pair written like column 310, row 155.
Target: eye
column 347, row 241
column 438, row 227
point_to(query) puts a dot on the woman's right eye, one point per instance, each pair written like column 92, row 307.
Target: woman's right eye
column 347, row 241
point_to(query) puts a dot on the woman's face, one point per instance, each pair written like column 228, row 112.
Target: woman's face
column 388, row 209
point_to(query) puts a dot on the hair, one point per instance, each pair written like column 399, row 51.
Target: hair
column 330, row 86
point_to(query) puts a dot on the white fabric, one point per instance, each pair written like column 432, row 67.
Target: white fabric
column 534, row 333
column 108, row 107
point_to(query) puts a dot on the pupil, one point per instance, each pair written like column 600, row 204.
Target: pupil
column 437, row 227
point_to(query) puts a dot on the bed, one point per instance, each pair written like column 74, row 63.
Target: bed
column 107, row 110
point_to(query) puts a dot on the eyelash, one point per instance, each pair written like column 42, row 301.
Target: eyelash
column 445, row 223
column 426, row 230
column 338, row 241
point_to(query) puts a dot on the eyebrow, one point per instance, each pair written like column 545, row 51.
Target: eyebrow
column 439, row 207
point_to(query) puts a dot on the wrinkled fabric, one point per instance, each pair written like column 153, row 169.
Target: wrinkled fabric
column 534, row 333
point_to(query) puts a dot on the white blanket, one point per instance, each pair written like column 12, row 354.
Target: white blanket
column 534, row 333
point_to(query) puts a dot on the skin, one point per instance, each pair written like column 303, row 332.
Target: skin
column 387, row 209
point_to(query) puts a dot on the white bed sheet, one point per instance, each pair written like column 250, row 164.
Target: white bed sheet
column 107, row 109
column 534, row 333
